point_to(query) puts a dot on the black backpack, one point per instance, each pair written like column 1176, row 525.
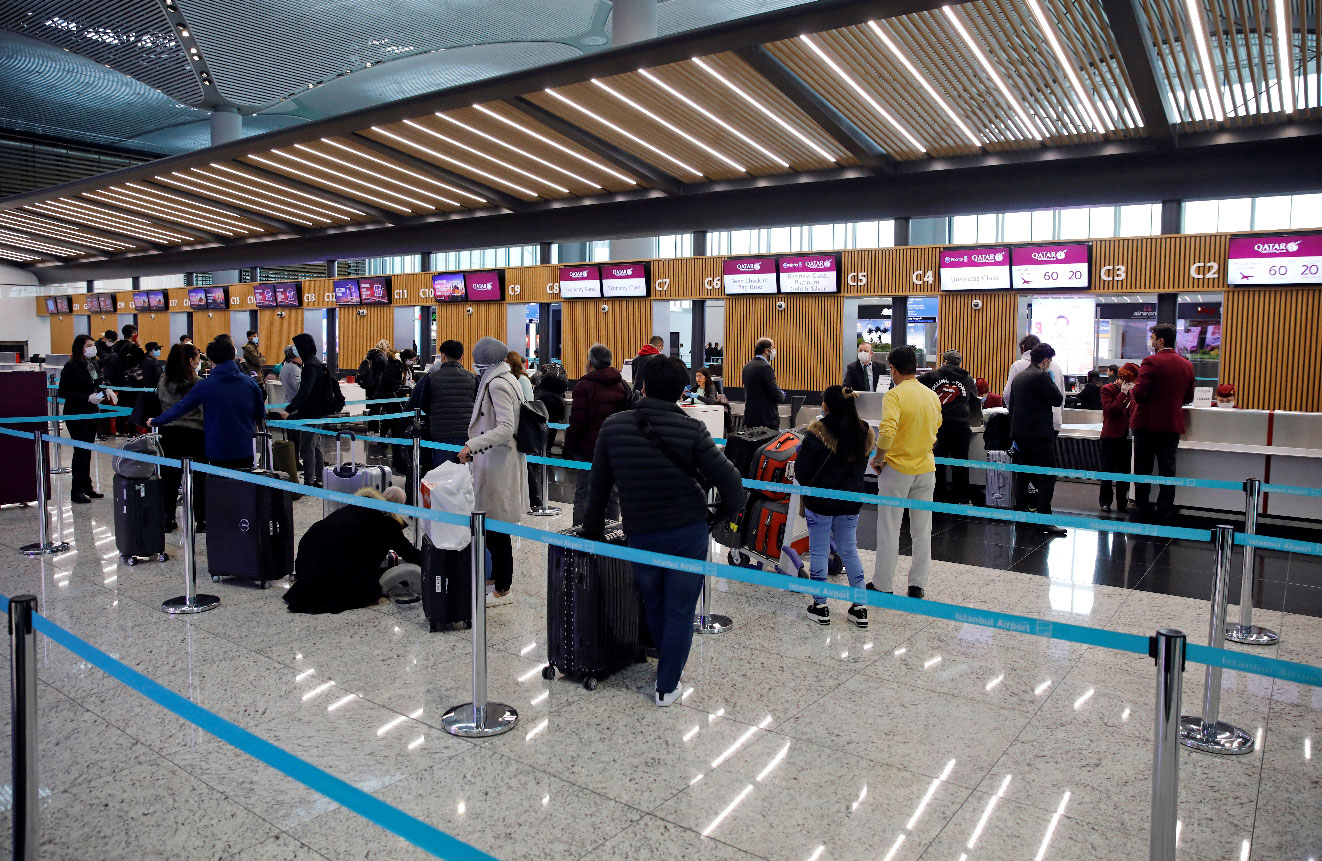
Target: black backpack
column 332, row 399
column 367, row 375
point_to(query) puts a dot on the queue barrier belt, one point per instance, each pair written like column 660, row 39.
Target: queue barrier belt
column 103, row 412
column 1269, row 542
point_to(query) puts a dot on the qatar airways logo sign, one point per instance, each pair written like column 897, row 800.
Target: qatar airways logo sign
column 588, row 274
column 626, row 272
column 1276, row 247
column 748, row 267
column 1049, row 255
column 820, row 265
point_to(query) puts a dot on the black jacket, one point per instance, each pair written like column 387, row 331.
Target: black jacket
column 857, row 379
column 1032, row 397
column 762, row 396
column 1090, row 397
column 446, row 394
column 820, row 463
column 78, row 380
column 338, row 566
column 655, row 493
column 958, row 393
column 310, row 402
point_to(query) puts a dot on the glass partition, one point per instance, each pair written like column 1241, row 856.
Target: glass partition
column 1198, row 334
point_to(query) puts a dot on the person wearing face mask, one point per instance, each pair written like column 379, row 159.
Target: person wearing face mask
column 148, row 404
column 185, row 437
column 1033, row 398
column 252, row 356
column 762, row 395
column 1164, row 386
column 83, row 389
column 864, row 375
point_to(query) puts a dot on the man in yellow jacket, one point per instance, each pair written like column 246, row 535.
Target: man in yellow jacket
column 910, row 417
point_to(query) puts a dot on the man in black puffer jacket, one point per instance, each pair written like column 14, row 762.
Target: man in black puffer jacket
column 960, row 410
column 654, row 454
column 446, row 395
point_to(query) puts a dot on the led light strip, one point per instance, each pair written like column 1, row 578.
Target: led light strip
column 1210, row 87
column 765, row 110
column 601, row 167
column 221, row 191
column 59, row 231
column 109, row 197
column 465, row 165
column 1036, row 130
column 488, row 157
column 312, row 165
column 512, row 148
column 714, row 118
column 1085, row 100
column 654, row 118
column 867, row 97
column 76, row 211
column 35, row 244
column 351, row 166
column 414, row 174
column 287, row 190
column 1284, row 61
column 628, row 135
column 180, row 204
column 17, row 256
column 926, row 85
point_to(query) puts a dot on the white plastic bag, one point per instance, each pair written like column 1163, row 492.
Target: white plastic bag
column 449, row 487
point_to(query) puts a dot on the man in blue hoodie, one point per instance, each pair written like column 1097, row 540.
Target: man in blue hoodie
column 232, row 405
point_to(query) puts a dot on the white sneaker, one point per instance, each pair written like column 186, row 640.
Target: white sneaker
column 664, row 700
column 494, row 600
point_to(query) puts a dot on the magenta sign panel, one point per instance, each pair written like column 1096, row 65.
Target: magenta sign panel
column 747, row 275
column 814, row 273
column 622, row 280
column 1275, row 260
column 580, row 282
column 483, row 286
column 1050, row 267
column 975, row 269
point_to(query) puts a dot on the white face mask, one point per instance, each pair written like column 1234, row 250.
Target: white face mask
column 90, row 351
column 865, row 358
column 771, row 354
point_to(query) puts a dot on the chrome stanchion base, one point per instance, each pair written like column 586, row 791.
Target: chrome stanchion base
column 461, row 720
column 1220, row 737
column 1252, row 635
column 48, row 549
column 61, row 470
column 544, row 511
column 715, row 624
column 201, row 604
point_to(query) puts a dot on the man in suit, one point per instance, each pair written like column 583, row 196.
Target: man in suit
column 863, row 374
column 762, row 395
column 1165, row 385
column 1033, row 398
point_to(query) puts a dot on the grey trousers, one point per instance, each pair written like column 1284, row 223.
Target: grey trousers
column 310, row 453
column 891, row 482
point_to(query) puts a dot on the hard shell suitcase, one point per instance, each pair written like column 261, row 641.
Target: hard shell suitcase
column 447, row 585
column 348, row 476
column 764, row 526
column 594, row 622
column 1000, row 482
column 773, row 460
column 139, row 519
column 250, row 529
column 741, row 447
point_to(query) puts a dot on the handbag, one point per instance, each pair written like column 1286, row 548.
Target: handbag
column 531, row 434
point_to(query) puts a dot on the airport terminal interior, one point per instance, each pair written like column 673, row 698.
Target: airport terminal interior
column 264, row 266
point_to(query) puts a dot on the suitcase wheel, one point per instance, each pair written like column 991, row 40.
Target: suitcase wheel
column 162, row 557
column 590, row 683
column 129, row 560
column 266, row 584
column 548, row 672
column 467, row 626
column 215, row 579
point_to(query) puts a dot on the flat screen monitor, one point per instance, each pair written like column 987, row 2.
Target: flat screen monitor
column 748, row 275
column 975, row 269
column 156, row 300
column 1050, row 267
column 141, row 302
column 346, row 292
column 109, row 302
column 448, row 287
column 809, row 273
column 922, row 309
column 63, row 304
column 50, row 305
column 288, row 294
column 485, row 286
column 374, row 290
column 264, row 295
column 218, row 298
column 624, row 280
column 580, row 282
column 197, row 298
column 1255, row 260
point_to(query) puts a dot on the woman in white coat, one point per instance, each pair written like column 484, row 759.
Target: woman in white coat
column 500, row 471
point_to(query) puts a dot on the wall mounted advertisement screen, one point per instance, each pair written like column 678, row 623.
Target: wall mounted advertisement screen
column 448, row 287
column 623, row 280
column 141, row 302
column 922, row 309
column 218, row 299
column 749, row 275
column 109, row 302
column 374, row 291
column 1050, row 267
column 197, row 298
column 287, row 294
column 264, row 295
column 812, row 273
column 1067, row 323
column 580, row 282
column 51, row 307
column 100, row 302
column 1257, row 260
column 156, row 300
column 64, row 304
column 346, row 292
column 975, row 269
column 484, row 286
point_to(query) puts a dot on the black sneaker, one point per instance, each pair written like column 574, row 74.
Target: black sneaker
column 858, row 615
column 872, row 588
column 917, row 592
column 819, row 613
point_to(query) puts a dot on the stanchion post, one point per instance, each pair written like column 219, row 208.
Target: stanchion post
column 545, row 509
column 53, row 410
column 479, row 718
column 23, row 697
column 1168, row 650
column 44, row 546
column 415, row 478
column 1245, row 631
column 705, row 622
column 1209, row 733
column 190, row 601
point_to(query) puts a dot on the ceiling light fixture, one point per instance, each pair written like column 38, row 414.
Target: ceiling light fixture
column 765, row 110
column 667, row 156
column 654, row 118
column 1284, row 63
column 312, row 165
column 487, row 156
column 378, row 176
column 229, row 195
column 1210, row 87
column 121, row 223
column 512, row 148
column 259, row 196
column 1035, row 130
column 452, row 160
column 16, row 256
column 1085, row 100
column 405, row 170
column 115, row 198
column 512, row 124
column 867, row 97
column 33, row 224
column 35, row 244
column 926, row 85
column 190, row 205
column 713, row 117
column 183, row 32
column 287, row 190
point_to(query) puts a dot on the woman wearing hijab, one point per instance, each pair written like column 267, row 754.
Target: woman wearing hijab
column 500, row 471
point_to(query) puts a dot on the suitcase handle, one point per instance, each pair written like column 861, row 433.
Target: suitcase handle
column 339, row 459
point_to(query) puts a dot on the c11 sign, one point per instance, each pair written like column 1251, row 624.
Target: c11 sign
column 975, row 269
column 1275, row 260
column 1050, row 267
column 745, row 275
column 580, row 282
column 815, row 273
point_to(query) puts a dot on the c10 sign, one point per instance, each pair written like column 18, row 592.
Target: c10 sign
column 1050, row 267
column 1275, row 260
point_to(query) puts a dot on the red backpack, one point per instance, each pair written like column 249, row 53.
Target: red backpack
column 773, row 459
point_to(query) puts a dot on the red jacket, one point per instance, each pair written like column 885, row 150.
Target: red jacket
column 1165, row 385
column 1116, row 407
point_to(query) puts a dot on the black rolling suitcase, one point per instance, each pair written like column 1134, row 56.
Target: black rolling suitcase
column 139, row 519
column 741, row 448
column 594, row 620
column 250, row 529
column 447, row 586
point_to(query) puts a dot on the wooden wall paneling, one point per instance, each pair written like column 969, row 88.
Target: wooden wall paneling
column 319, row 293
column 904, row 271
column 40, row 304
column 454, row 321
column 532, row 283
column 99, row 322
column 624, row 328
column 1280, row 315
column 176, row 299
column 986, row 337
column 242, row 299
column 276, row 332
column 687, row 278
column 413, row 288
column 124, row 303
column 61, row 332
column 207, row 325
column 809, row 336
column 1160, row 264
column 358, row 334
column 155, row 326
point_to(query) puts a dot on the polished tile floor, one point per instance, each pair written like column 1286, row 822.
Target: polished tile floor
column 913, row 739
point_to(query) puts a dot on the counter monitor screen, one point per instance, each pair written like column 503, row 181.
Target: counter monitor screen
column 218, row 299
column 975, row 269
column 197, row 298
column 346, row 292
column 50, row 306
column 749, row 275
column 623, row 280
column 485, row 286
column 109, row 302
column 287, row 294
column 1255, row 260
column 448, row 287
column 93, row 302
column 1050, row 267
column 264, row 295
column 156, row 300
column 140, row 302
column 580, row 282
column 374, row 290
column 809, row 273
column 64, row 304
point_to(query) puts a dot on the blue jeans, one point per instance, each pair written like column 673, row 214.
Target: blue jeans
column 671, row 597
column 843, row 529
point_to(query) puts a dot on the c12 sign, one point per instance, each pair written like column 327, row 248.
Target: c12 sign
column 1275, row 260
column 815, row 273
column 623, row 280
column 747, row 275
column 580, row 282
column 1050, row 267
column 975, row 269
